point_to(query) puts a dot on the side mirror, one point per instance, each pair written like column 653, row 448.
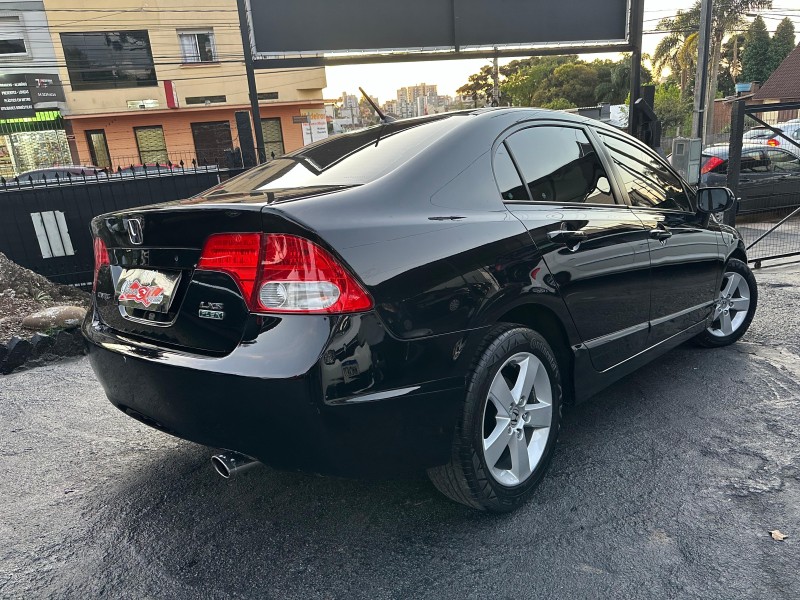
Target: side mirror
column 714, row 199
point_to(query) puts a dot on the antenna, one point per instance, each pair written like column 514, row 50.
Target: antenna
column 374, row 106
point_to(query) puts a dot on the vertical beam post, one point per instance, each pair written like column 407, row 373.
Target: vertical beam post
column 251, row 81
column 635, row 33
column 735, row 157
column 701, row 79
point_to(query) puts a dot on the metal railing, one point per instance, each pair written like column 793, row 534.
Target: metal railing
column 762, row 167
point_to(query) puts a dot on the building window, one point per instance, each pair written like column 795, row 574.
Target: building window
column 197, row 46
column 98, row 148
column 12, row 37
column 109, row 59
column 205, row 99
column 268, row 95
column 152, row 145
column 273, row 137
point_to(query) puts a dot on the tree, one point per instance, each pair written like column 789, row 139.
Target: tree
column 727, row 17
column 783, row 42
column 730, row 67
column 677, row 52
column 674, row 110
column 479, row 86
column 756, row 54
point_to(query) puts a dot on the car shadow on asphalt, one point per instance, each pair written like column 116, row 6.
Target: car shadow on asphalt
column 613, row 458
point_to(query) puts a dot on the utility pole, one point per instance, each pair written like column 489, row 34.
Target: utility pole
column 701, row 79
column 495, row 82
column 261, row 153
column 636, row 19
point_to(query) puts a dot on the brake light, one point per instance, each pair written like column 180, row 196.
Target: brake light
column 773, row 142
column 711, row 164
column 279, row 273
column 100, row 259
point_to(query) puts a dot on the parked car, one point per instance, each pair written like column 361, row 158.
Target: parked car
column 422, row 294
column 771, row 137
column 61, row 173
column 769, row 177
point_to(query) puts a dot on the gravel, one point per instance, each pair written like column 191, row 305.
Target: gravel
column 23, row 292
column 666, row 485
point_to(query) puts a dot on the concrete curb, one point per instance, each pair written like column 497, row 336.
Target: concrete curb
column 40, row 349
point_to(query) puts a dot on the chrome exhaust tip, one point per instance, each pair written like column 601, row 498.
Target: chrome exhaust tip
column 228, row 464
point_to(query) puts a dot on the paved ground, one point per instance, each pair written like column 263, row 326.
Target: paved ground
column 664, row 486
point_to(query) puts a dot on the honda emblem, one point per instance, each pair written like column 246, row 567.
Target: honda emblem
column 134, row 228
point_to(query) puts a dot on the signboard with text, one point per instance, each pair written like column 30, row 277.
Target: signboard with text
column 20, row 92
column 316, row 127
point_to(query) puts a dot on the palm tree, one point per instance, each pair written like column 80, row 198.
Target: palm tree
column 678, row 50
column 728, row 17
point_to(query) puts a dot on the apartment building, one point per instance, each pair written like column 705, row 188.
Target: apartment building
column 32, row 129
column 151, row 82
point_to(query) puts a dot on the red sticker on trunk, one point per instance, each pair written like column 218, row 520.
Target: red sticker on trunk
column 146, row 295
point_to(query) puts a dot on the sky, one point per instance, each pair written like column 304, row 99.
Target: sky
column 383, row 80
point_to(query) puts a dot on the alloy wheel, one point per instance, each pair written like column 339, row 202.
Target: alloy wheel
column 517, row 419
column 730, row 309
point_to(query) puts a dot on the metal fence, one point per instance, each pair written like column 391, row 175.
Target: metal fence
column 761, row 164
column 44, row 223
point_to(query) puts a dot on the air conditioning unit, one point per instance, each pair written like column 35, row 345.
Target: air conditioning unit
column 686, row 156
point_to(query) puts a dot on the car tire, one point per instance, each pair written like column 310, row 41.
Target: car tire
column 517, row 365
column 729, row 323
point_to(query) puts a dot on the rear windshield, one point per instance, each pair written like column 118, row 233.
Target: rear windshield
column 345, row 160
column 758, row 134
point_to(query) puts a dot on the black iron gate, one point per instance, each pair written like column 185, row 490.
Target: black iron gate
column 763, row 170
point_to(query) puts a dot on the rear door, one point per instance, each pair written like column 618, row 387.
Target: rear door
column 592, row 243
column 685, row 259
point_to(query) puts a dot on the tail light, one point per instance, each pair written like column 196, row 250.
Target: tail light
column 100, row 259
column 280, row 273
column 773, row 142
column 236, row 254
column 711, row 164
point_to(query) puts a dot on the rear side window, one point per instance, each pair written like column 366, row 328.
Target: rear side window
column 649, row 183
column 754, row 162
column 508, row 182
column 560, row 165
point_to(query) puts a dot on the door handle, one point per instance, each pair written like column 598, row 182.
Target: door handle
column 661, row 233
column 567, row 237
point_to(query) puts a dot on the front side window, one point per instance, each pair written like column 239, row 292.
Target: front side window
column 783, row 162
column 12, row 37
column 649, row 183
column 197, row 46
column 152, row 145
column 109, row 59
column 560, row 165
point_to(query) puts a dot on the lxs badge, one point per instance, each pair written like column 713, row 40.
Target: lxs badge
column 212, row 310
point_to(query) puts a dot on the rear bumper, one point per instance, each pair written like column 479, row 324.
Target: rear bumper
column 334, row 396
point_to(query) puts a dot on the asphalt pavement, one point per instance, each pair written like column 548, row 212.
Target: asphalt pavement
column 664, row 486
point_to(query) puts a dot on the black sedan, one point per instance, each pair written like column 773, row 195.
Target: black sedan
column 769, row 178
column 422, row 294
